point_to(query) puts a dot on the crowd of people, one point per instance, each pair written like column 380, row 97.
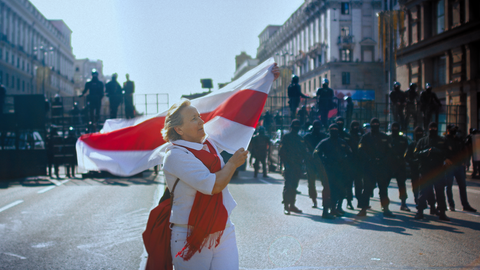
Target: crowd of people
column 352, row 164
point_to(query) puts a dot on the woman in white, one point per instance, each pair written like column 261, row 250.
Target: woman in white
column 184, row 129
column 185, row 160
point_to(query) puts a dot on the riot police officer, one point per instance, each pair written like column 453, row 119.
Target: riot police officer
column 431, row 152
column 260, row 147
column 340, row 121
column 414, row 164
column 398, row 167
column 70, row 153
column 57, row 110
column 374, row 149
column 324, row 101
column 312, row 139
column 411, row 109
column 334, row 154
column 356, row 167
column 95, row 88
column 294, row 95
column 293, row 152
column 129, row 89
column 429, row 104
column 398, row 99
column 458, row 154
column 114, row 94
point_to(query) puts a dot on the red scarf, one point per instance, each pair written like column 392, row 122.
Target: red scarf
column 208, row 216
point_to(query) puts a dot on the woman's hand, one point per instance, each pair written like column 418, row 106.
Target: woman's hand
column 276, row 72
column 238, row 158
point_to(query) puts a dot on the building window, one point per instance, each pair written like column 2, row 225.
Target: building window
column 6, row 57
column 13, row 81
column 345, row 77
column 319, row 59
column 345, row 55
column 345, row 8
column 440, row 16
column 18, row 84
column 23, row 64
column 23, row 86
column 439, row 71
column 28, row 67
column 309, row 86
column 314, row 83
column 345, row 31
column 6, row 79
column 18, row 62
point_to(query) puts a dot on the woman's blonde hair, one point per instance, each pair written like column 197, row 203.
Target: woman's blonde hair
column 174, row 119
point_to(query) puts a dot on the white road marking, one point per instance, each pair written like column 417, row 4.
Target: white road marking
column 14, row 255
column 10, row 205
column 46, row 189
column 57, row 184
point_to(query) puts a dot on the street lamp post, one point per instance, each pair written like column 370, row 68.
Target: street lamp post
column 284, row 54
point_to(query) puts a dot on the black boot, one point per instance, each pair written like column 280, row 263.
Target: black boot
column 442, row 216
column 327, row 215
column 419, row 214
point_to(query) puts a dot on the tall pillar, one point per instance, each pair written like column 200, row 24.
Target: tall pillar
column 448, row 64
column 447, row 15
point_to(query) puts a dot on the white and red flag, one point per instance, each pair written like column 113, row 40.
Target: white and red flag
column 126, row 147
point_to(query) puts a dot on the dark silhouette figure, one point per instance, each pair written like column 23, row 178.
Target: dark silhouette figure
column 340, row 121
column 431, row 152
column 259, row 148
column 398, row 166
column 399, row 100
column 411, row 111
column 54, row 152
column 324, row 102
column 312, row 139
column 57, row 110
column 294, row 95
column 70, row 153
column 278, row 121
column 129, row 89
column 374, row 149
column 302, row 116
column 75, row 114
column 3, row 93
column 429, row 104
column 267, row 122
column 414, row 164
column 334, row 154
column 349, row 110
column 457, row 153
column 114, row 94
column 95, row 91
column 293, row 152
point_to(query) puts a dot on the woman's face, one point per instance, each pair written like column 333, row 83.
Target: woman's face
column 192, row 128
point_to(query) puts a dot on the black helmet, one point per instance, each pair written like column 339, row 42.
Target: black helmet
column 325, row 81
column 427, row 85
column 413, row 85
column 94, row 72
column 396, row 84
column 294, row 78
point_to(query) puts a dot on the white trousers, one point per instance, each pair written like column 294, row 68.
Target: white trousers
column 222, row 257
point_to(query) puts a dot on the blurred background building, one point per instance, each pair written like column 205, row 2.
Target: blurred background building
column 35, row 53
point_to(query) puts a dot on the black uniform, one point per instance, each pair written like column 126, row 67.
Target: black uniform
column 414, row 165
column 334, row 154
column 57, row 110
column 429, row 104
column 324, row 103
column 374, row 149
column 398, row 99
column 457, row 153
column 114, row 94
column 398, row 166
column 129, row 88
column 312, row 139
column 293, row 152
column 411, row 109
column 294, row 95
column 260, row 147
column 70, row 154
column 356, row 167
column 94, row 98
column 431, row 153
column 347, row 181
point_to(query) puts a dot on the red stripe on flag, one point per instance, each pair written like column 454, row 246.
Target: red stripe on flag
column 244, row 107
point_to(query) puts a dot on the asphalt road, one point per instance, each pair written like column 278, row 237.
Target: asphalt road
column 97, row 224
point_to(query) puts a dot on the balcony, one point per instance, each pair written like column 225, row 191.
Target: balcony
column 346, row 41
column 300, row 58
column 316, row 49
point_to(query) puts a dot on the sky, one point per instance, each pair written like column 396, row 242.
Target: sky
column 167, row 46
